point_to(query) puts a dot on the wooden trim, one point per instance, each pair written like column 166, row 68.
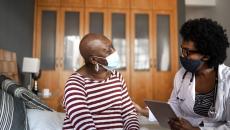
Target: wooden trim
column 72, row 3
column 35, row 28
column 96, row 3
column 166, row 4
column 142, row 4
column 48, row 3
column 119, row 4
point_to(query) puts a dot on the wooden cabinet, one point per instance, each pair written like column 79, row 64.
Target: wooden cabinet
column 143, row 32
column 56, row 44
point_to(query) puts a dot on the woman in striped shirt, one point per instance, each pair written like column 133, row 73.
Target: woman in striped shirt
column 96, row 95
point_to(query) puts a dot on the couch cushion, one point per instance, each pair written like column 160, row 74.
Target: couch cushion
column 13, row 113
column 30, row 99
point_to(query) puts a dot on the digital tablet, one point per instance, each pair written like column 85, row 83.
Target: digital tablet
column 162, row 111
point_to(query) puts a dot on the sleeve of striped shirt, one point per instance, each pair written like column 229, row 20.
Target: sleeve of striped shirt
column 76, row 107
column 129, row 114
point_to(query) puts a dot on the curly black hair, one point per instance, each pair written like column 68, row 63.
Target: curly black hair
column 208, row 37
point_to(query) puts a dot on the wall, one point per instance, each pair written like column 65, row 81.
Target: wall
column 16, row 28
column 181, row 20
column 219, row 13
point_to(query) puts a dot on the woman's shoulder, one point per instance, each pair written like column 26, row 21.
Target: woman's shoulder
column 117, row 74
column 224, row 72
column 76, row 77
column 224, row 78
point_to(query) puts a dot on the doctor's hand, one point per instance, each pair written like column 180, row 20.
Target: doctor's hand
column 181, row 124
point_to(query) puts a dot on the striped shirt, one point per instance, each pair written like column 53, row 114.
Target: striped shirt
column 204, row 101
column 96, row 105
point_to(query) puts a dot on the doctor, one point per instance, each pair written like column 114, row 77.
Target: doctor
column 201, row 93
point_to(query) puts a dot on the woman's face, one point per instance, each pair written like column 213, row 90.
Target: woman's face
column 106, row 48
column 189, row 51
column 102, row 50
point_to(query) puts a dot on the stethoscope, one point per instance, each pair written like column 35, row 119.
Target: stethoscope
column 180, row 100
column 212, row 110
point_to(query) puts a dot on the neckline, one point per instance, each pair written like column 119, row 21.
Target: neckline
column 95, row 80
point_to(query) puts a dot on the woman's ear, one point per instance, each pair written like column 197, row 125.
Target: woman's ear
column 92, row 60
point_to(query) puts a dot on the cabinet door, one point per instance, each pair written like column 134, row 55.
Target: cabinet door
column 46, row 48
column 166, row 54
column 71, row 33
column 118, row 31
column 96, row 21
column 141, row 55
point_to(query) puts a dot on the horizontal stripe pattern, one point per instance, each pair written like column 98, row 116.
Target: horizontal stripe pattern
column 95, row 105
column 203, row 102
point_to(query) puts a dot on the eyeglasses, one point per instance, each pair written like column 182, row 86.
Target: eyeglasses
column 186, row 51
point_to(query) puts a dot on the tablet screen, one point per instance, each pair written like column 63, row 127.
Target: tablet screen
column 162, row 111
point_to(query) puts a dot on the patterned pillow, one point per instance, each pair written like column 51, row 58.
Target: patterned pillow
column 31, row 100
column 13, row 113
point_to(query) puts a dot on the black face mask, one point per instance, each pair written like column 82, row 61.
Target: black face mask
column 190, row 65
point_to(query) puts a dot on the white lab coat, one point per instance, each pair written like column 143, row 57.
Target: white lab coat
column 218, row 120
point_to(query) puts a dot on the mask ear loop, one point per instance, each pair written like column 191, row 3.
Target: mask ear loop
column 96, row 67
column 105, row 67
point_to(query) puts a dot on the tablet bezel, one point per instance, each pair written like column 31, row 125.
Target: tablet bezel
column 162, row 111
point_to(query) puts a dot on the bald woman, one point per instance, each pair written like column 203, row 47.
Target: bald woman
column 96, row 95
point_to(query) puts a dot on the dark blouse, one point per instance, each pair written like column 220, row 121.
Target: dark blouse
column 203, row 102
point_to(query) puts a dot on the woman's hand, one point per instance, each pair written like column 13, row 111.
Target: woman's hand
column 140, row 110
column 137, row 107
column 181, row 124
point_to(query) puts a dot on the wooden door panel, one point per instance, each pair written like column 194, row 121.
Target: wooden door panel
column 141, row 86
column 49, row 77
column 124, row 28
column 163, row 86
column 90, row 11
column 49, row 80
column 141, row 78
column 71, row 30
column 163, row 79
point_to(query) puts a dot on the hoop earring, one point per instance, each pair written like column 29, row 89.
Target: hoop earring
column 96, row 67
